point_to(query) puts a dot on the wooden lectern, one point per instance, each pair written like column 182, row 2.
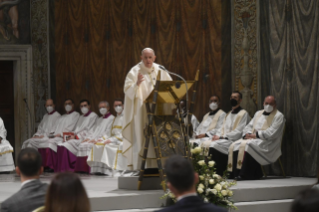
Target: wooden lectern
column 167, row 132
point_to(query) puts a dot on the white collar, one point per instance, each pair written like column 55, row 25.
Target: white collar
column 186, row 195
column 27, row 181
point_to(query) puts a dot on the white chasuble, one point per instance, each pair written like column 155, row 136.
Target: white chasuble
column 267, row 148
column 102, row 126
column 45, row 128
column 135, row 115
column 66, row 123
column 232, row 129
column 109, row 156
column 209, row 126
column 6, row 159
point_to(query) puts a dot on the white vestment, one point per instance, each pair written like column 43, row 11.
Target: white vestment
column 267, row 148
column 135, row 115
column 6, row 159
column 104, row 157
column 209, row 126
column 66, row 123
column 45, row 128
column 101, row 127
column 232, row 129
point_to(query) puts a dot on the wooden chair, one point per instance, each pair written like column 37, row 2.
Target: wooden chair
column 281, row 167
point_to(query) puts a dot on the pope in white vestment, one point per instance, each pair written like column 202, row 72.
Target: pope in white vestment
column 46, row 126
column 6, row 159
column 261, row 139
column 139, row 83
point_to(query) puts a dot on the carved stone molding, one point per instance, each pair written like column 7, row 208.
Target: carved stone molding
column 245, row 52
column 21, row 55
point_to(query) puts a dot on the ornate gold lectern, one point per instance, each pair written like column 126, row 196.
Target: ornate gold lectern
column 167, row 132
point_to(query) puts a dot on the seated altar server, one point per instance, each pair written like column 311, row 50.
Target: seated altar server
column 83, row 125
column 211, row 122
column 194, row 120
column 260, row 143
column 106, row 155
column 139, row 83
column 72, row 155
column 6, row 159
column 231, row 131
column 46, row 126
column 48, row 146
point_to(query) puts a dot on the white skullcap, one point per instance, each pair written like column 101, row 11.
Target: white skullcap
column 147, row 49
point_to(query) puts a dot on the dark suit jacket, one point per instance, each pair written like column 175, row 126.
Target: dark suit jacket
column 192, row 204
column 30, row 197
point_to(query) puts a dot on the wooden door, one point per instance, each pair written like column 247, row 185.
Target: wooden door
column 7, row 98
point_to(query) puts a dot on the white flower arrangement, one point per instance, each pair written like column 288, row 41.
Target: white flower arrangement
column 211, row 187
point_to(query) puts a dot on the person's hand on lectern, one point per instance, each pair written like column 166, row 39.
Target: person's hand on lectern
column 200, row 136
column 140, row 79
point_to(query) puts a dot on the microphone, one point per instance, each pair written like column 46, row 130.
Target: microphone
column 25, row 100
column 177, row 86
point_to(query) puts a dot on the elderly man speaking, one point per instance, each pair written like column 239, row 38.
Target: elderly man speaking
column 139, row 83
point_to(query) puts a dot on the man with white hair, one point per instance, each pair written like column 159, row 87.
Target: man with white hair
column 139, row 83
column 260, row 143
column 73, row 153
column 6, row 159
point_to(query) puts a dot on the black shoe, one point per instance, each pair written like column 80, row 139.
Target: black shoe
column 239, row 178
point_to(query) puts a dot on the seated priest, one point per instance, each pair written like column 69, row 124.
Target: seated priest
column 48, row 146
column 231, row 130
column 106, row 155
column 83, row 125
column 6, row 159
column 194, row 120
column 211, row 122
column 46, row 126
column 72, row 154
column 260, row 144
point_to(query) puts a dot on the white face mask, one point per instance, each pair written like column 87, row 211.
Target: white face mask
column 213, row 106
column 84, row 110
column 50, row 109
column 103, row 111
column 68, row 108
column 118, row 109
column 268, row 108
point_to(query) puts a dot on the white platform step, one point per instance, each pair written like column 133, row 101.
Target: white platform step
column 265, row 206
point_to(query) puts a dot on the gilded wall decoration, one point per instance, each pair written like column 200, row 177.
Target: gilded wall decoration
column 245, row 52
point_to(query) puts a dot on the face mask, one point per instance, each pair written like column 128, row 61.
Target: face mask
column 50, row 109
column 68, row 108
column 84, row 110
column 233, row 102
column 103, row 111
column 268, row 108
column 213, row 106
column 118, row 109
